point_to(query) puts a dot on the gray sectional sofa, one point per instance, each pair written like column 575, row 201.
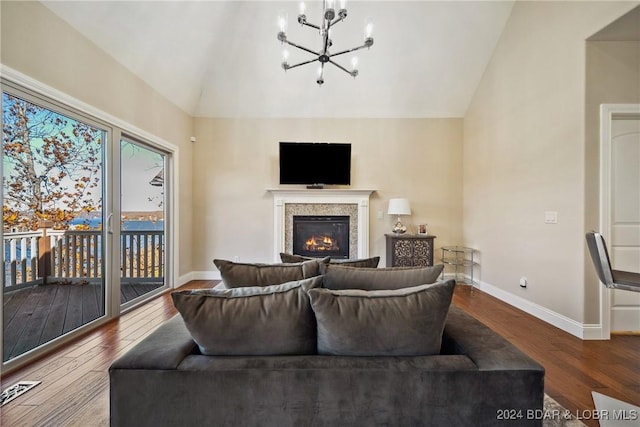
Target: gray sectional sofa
column 441, row 367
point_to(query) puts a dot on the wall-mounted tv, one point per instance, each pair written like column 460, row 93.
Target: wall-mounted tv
column 315, row 163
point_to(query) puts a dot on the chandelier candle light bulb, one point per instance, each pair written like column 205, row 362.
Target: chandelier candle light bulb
column 320, row 79
column 368, row 29
column 282, row 22
column 330, row 4
column 324, row 55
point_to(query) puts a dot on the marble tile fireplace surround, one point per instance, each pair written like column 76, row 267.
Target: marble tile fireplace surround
column 351, row 203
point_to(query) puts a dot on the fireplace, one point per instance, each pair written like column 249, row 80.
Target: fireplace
column 288, row 203
column 321, row 235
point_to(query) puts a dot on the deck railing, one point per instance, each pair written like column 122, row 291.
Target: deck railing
column 142, row 256
column 21, row 258
column 54, row 256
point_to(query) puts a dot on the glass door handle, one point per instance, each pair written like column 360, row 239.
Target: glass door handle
column 110, row 223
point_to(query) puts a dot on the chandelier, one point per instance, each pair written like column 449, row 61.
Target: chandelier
column 329, row 18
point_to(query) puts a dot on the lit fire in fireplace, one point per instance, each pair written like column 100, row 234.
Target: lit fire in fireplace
column 321, row 244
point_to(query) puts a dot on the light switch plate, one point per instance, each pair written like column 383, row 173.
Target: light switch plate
column 551, row 217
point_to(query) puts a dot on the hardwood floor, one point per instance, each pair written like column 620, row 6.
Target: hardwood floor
column 574, row 368
column 75, row 383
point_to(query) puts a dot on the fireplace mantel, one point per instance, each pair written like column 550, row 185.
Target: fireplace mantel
column 282, row 197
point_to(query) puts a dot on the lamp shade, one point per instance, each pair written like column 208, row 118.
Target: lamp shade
column 399, row 207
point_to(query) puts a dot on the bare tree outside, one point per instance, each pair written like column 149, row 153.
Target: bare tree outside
column 52, row 168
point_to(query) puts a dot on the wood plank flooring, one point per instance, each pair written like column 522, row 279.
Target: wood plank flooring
column 574, row 368
column 75, row 383
column 38, row 314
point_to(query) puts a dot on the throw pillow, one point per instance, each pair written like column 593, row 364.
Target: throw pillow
column 269, row 320
column 400, row 322
column 358, row 262
column 236, row 274
column 370, row 279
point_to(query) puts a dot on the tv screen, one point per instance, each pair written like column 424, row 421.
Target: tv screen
column 315, row 163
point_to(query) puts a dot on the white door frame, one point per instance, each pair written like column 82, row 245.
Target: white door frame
column 608, row 113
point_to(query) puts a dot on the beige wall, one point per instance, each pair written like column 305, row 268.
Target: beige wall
column 37, row 43
column 524, row 154
column 236, row 161
column 612, row 77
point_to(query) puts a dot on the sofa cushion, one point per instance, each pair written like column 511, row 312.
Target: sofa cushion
column 236, row 274
column 259, row 320
column 399, row 322
column 351, row 262
column 370, row 279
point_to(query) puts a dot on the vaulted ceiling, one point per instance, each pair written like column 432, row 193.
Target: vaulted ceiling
column 222, row 58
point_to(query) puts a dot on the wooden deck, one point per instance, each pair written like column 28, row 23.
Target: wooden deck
column 41, row 313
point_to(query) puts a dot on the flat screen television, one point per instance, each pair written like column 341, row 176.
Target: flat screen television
column 315, row 163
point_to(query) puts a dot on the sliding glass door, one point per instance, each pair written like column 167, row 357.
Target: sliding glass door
column 52, row 205
column 142, row 220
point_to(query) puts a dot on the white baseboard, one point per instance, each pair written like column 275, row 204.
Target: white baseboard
column 206, row 275
column 583, row 331
column 197, row 275
column 183, row 280
column 593, row 331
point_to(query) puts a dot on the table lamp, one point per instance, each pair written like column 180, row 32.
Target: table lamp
column 399, row 207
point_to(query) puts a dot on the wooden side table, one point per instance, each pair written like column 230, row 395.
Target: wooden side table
column 409, row 250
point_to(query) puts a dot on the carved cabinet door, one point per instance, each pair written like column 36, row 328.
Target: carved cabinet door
column 409, row 250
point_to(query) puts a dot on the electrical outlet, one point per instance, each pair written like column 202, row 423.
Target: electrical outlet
column 380, row 215
column 236, row 258
column 523, row 282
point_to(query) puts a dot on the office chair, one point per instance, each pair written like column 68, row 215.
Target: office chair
column 615, row 279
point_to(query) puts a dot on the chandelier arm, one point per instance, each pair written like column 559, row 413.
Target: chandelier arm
column 310, row 25
column 348, row 51
column 335, row 21
column 301, row 47
column 341, row 67
column 302, row 63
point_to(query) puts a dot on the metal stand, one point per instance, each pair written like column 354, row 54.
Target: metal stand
column 461, row 258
